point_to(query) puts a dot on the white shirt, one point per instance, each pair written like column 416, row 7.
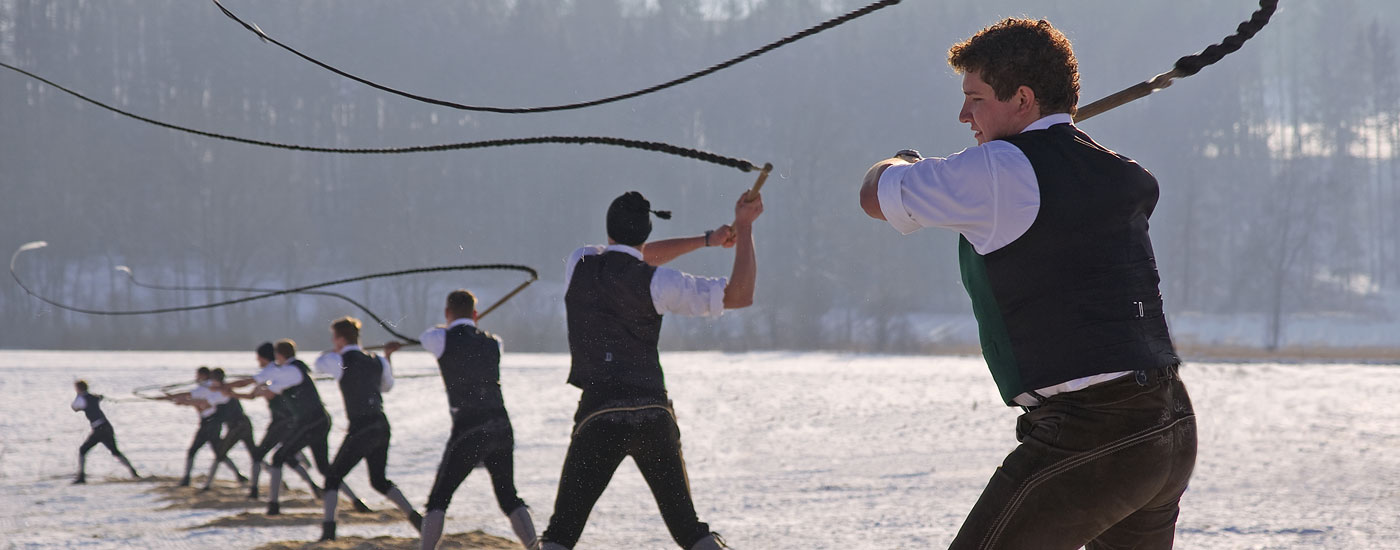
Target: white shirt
column 213, row 398
column 79, row 403
column 435, row 339
column 278, row 378
column 988, row 193
column 672, row 291
column 331, row 363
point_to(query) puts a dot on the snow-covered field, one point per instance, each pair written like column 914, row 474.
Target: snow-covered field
column 785, row 450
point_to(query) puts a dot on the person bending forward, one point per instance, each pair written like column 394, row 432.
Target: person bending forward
column 362, row 378
column 470, row 362
column 102, row 431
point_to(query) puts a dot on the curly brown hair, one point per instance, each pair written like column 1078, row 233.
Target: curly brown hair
column 1022, row 52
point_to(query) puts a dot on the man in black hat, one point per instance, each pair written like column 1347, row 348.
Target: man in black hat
column 615, row 298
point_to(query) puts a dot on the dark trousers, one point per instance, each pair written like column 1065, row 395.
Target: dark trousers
column 104, row 435
column 310, row 433
column 368, row 440
column 1103, row 467
column 491, row 443
column 209, row 429
column 238, row 430
column 652, row 439
column 277, row 433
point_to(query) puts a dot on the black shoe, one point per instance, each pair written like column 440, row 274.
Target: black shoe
column 360, row 507
column 81, row 479
column 327, row 531
column 416, row 519
column 253, row 493
column 274, row 508
column 184, row 482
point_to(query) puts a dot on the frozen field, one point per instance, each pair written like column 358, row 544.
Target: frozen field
column 785, row 450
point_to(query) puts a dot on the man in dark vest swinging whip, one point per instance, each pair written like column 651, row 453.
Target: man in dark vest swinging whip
column 614, row 300
column 1056, row 258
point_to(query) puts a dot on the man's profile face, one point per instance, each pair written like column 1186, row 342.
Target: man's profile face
column 990, row 118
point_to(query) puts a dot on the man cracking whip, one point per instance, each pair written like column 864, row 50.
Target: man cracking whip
column 1056, row 258
column 311, row 424
column 282, row 422
column 206, row 401
column 470, row 362
column 363, row 378
column 89, row 405
column 615, row 299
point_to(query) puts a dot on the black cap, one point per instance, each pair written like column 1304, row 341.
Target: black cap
column 629, row 218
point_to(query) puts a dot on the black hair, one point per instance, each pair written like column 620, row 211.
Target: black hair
column 265, row 350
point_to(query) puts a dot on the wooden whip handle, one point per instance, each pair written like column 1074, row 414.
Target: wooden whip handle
column 757, row 185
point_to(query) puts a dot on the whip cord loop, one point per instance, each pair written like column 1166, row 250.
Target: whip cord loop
column 829, row 24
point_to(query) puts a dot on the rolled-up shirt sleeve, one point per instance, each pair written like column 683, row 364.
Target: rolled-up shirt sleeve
column 330, row 363
column 681, row 293
column 386, row 376
column 279, row 378
column 434, row 340
column 987, row 193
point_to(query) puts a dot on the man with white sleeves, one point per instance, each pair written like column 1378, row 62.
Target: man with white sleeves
column 470, row 362
column 615, row 298
column 362, row 378
column 1056, row 258
column 270, row 382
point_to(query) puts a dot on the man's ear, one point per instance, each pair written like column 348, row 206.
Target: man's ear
column 1025, row 100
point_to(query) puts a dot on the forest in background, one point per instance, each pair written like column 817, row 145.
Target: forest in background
column 1277, row 166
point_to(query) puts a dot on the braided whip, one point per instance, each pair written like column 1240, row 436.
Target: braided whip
column 659, row 147
column 385, row 324
column 534, row 275
column 831, row 23
column 1186, row 66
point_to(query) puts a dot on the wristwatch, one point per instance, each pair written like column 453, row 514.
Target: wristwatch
column 908, row 155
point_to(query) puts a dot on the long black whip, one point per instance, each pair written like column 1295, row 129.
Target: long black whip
column 1185, row 66
column 534, row 275
column 382, row 323
column 829, row 24
column 653, row 146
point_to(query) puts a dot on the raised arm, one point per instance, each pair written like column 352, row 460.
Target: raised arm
column 870, row 188
column 662, row 252
column 739, row 292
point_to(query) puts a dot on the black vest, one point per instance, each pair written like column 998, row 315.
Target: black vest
column 471, row 371
column 280, row 407
column 304, row 399
column 232, row 411
column 614, row 326
column 1077, row 294
column 359, row 384
column 92, row 409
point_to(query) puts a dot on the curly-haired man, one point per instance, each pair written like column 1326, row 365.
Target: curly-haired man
column 1056, row 258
